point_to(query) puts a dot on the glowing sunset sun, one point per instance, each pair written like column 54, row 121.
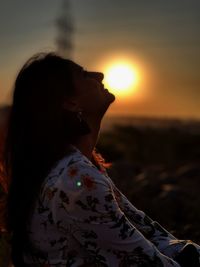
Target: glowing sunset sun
column 121, row 78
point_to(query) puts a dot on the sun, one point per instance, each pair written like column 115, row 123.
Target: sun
column 121, row 78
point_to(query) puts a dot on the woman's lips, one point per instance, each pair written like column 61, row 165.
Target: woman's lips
column 104, row 89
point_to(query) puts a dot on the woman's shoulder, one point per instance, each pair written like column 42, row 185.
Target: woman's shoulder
column 73, row 171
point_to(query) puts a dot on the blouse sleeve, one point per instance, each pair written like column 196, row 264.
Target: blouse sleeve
column 152, row 230
column 83, row 198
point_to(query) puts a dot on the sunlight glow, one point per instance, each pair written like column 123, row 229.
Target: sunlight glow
column 121, row 78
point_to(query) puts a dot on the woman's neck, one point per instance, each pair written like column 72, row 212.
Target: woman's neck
column 87, row 143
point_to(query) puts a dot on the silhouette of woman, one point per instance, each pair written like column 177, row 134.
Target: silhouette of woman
column 63, row 208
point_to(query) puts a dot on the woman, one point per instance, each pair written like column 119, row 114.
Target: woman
column 63, row 209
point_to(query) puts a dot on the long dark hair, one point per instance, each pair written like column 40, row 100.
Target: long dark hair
column 38, row 133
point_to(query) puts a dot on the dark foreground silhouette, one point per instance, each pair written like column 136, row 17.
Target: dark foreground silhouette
column 158, row 169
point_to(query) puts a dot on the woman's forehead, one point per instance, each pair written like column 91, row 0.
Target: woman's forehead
column 79, row 70
column 76, row 67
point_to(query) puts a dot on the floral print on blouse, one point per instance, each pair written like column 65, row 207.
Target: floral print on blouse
column 82, row 219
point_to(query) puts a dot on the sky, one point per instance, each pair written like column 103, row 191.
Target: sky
column 160, row 37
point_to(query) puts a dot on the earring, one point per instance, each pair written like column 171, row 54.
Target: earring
column 79, row 116
column 83, row 126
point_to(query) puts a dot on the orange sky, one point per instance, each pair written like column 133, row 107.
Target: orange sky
column 162, row 38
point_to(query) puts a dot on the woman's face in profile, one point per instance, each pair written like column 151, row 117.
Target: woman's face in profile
column 93, row 98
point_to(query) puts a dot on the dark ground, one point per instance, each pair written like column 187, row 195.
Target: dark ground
column 158, row 169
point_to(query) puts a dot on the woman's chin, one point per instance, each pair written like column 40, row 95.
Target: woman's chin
column 111, row 97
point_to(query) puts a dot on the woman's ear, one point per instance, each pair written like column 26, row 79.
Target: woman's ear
column 71, row 104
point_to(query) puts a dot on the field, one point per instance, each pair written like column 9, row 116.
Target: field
column 156, row 164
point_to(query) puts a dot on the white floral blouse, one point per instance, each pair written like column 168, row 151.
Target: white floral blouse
column 82, row 219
